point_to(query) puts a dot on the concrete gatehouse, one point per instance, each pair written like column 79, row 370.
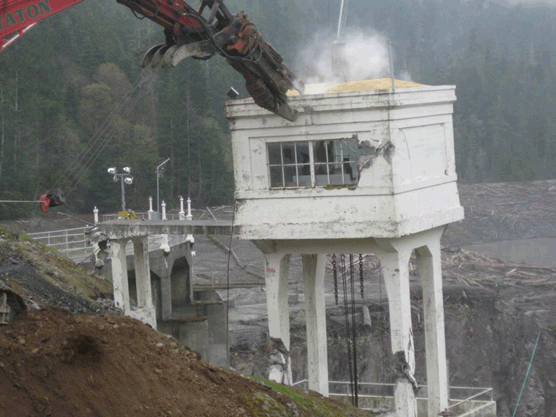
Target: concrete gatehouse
column 362, row 171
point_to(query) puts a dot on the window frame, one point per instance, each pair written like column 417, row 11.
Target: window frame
column 337, row 143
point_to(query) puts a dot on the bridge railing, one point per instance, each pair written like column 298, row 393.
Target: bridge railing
column 72, row 243
column 462, row 399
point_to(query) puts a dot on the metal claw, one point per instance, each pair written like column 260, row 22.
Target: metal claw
column 159, row 54
column 202, row 50
column 149, row 55
column 168, row 55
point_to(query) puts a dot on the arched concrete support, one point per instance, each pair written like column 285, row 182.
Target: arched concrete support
column 430, row 270
column 163, row 267
column 315, row 318
column 276, row 277
column 395, row 268
column 119, row 275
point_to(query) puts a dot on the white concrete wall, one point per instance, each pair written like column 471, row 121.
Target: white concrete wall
column 411, row 188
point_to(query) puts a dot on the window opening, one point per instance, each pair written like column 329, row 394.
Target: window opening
column 333, row 162
column 289, row 164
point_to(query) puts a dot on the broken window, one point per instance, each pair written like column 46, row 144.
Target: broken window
column 315, row 163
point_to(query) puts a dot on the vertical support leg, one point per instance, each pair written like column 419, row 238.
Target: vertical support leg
column 315, row 313
column 166, row 295
column 276, row 273
column 143, row 281
column 395, row 266
column 142, row 272
column 119, row 275
column 430, row 271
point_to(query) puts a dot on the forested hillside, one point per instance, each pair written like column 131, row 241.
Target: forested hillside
column 74, row 100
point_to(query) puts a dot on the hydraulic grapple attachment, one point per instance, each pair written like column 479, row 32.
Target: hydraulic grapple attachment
column 190, row 35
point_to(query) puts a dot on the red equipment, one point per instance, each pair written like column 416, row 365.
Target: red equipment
column 188, row 34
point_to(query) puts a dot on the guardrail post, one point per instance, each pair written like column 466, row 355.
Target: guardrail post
column 151, row 211
column 189, row 216
column 181, row 213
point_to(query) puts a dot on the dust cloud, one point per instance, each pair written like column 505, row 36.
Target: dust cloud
column 365, row 52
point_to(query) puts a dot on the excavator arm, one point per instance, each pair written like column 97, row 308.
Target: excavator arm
column 200, row 34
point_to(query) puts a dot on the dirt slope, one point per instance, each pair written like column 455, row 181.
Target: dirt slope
column 55, row 363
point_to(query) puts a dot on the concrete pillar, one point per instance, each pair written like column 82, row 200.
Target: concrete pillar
column 163, row 205
column 181, row 212
column 95, row 215
column 166, row 296
column 142, row 272
column 430, row 271
column 151, row 211
column 119, row 275
column 276, row 279
column 315, row 319
column 395, row 267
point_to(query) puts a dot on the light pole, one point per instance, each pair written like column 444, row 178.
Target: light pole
column 159, row 172
column 125, row 178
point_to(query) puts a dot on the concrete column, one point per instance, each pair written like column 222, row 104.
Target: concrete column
column 315, row 319
column 276, row 279
column 166, row 296
column 119, row 275
column 163, row 205
column 430, row 271
column 395, row 267
column 142, row 272
column 95, row 215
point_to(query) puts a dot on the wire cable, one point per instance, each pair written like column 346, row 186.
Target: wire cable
column 91, row 143
column 346, row 317
column 77, row 164
column 353, row 332
column 96, row 152
column 527, row 374
column 93, row 157
column 228, row 287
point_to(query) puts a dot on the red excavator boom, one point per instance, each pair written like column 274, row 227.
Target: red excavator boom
column 201, row 33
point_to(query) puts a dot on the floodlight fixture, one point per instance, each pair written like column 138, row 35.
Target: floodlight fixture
column 124, row 178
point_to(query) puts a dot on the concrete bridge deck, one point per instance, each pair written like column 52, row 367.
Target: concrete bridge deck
column 127, row 229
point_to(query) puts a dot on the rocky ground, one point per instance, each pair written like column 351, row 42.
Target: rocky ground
column 42, row 277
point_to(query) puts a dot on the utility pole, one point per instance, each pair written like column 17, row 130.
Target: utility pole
column 159, row 172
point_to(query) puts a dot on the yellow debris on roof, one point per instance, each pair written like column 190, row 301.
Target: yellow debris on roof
column 349, row 86
column 381, row 84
